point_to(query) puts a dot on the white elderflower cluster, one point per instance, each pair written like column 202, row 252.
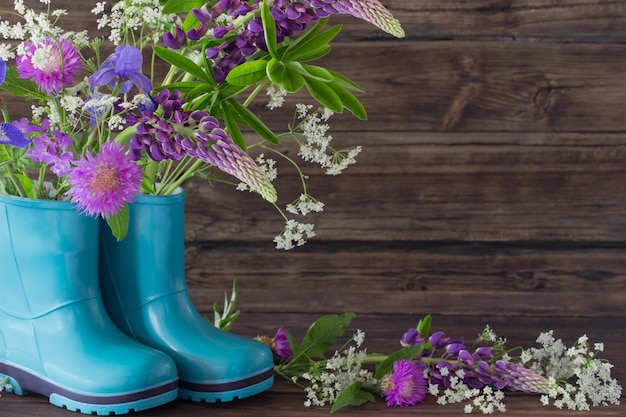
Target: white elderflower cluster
column 277, row 94
column 485, row 400
column 4, row 384
column 35, row 26
column 577, row 379
column 343, row 369
column 72, row 111
column 131, row 16
column 316, row 145
column 294, row 234
column 304, row 205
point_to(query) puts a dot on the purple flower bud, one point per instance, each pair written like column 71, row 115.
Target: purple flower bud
column 466, row 358
column 411, row 338
column 483, row 353
column 220, row 31
column 175, row 41
column 202, row 14
column 435, row 338
column 454, row 348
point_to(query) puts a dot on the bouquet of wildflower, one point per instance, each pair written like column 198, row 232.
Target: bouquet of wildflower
column 447, row 368
column 102, row 129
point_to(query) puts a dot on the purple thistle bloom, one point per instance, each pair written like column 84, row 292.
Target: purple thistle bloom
column 103, row 184
column 281, row 345
column 124, row 64
column 406, row 385
column 11, row 135
column 48, row 66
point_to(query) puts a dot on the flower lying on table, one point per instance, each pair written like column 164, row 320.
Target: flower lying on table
column 442, row 366
column 4, row 384
column 102, row 130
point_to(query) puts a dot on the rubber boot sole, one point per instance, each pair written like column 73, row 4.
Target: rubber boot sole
column 23, row 382
column 213, row 393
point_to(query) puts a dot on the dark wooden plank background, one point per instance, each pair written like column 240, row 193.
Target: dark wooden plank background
column 490, row 191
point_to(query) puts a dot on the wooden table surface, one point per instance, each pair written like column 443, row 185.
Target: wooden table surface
column 382, row 335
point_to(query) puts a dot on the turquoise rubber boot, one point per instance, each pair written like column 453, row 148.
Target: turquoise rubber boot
column 144, row 289
column 56, row 338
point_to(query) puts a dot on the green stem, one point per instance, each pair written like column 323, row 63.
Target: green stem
column 188, row 173
column 16, row 183
column 253, row 94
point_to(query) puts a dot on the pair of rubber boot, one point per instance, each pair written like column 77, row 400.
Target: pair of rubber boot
column 106, row 327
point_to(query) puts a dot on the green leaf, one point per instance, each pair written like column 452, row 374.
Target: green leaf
column 352, row 395
column 323, row 334
column 198, row 91
column 314, row 54
column 386, row 366
column 248, row 73
column 269, row 30
column 119, row 223
column 183, row 63
column 21, row 87
column 288, row 75
column 233, row 127
column 180, row 6
column 349, row 101
column 300, row 49
column 323, row 93
column 316, row 72
column 182, row 86
column 423, row 326
column 28, row 184
column 346, row 82
column 245, row 116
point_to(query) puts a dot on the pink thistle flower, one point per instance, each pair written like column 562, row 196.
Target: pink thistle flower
column 406, row 385
column 49, row 63
column 102, row 184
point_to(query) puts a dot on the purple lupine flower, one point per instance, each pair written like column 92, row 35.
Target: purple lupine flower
column 281, row 345
column 104, row 183
column 371, row 11
column 519, row 378
column 50, row 63
column 230, row 158
column 405, row 385
column 123, row 66
column 178, row 133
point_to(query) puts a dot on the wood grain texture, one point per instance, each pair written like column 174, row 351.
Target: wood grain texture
column 431, row 186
